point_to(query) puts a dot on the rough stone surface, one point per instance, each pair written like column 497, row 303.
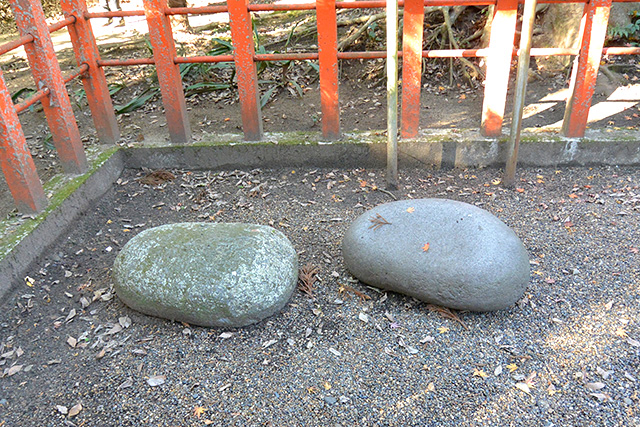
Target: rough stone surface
column 440, row 251
column 226, row 275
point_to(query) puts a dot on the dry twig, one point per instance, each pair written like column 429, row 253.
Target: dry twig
column 158, row 177
column 378, row 222
column 344, row 289
column 447, row 314
column 307, row 279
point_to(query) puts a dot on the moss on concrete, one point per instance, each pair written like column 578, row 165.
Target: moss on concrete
column 57, row 189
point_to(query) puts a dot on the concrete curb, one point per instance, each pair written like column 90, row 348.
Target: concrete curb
column 56, row 220
column 433, row 149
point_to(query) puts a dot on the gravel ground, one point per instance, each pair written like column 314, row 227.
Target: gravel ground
column 567, row 354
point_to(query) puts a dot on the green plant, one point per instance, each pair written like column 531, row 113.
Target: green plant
column 630, row 32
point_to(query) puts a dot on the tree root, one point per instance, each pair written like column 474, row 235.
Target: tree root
column 475, row 71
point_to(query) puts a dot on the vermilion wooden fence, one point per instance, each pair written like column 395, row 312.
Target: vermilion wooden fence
column 18, row 166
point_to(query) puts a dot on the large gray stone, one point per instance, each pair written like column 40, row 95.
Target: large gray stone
column 472, row 260
column 226, row 275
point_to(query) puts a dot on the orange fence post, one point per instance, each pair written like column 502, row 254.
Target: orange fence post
column 46, row 74
column 94, row 81
column 585, row 69
column 15, row 158
column 328, row 58
column 496, row 84
column 411, row 67
column 243, row 52
column 164, row 53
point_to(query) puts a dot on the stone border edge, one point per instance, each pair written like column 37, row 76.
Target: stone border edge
column 32, row 238
column 460, row 149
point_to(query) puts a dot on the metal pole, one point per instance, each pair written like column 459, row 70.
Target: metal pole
column 528, row 20
column 392, row 94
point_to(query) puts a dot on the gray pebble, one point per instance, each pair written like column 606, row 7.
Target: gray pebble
column 330, row 400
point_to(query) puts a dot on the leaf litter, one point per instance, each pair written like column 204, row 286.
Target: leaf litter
column 112, row 342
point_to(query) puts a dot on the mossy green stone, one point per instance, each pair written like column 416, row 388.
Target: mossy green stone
column 220, row 275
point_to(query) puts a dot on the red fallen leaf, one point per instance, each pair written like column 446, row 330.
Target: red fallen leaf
column 425, row 248
column 573, row 196
column 633, row 250
column 568, row 224
column 520, row 190
column 198, row 411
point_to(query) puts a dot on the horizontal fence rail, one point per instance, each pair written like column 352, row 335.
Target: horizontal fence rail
column 18, row 166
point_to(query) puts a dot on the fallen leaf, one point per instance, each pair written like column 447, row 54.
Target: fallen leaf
column 326, row 385
column 595, row 386
column 621, row 332
column 603, row 397
column 364, row 317
column 498, row 370
column 512, row 367
column 411, row 350
column 633, row 342
column 603, row 373
column 425, row 248
column 124, row 321
column 426, row 339
column 14, row 370
column 431, row 387
column 551, row 390
column 520, row 190
column 116, row 328
column 524, row 387
column 156, row 380
column 529, row 380
column 126, row 384
column 225, row 335
column 198, row 410
column 411, row 210
column 75, row 410
column 71, row 315
column 443, row 330
column 269, row 343
column 62, row 409
column 72, row 342
column 608, row 305
column 479, row 373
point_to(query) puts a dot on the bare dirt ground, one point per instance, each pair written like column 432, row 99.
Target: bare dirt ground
column 448, row 99
column 568, row 353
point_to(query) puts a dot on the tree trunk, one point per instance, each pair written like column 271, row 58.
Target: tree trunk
column 181, row 20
